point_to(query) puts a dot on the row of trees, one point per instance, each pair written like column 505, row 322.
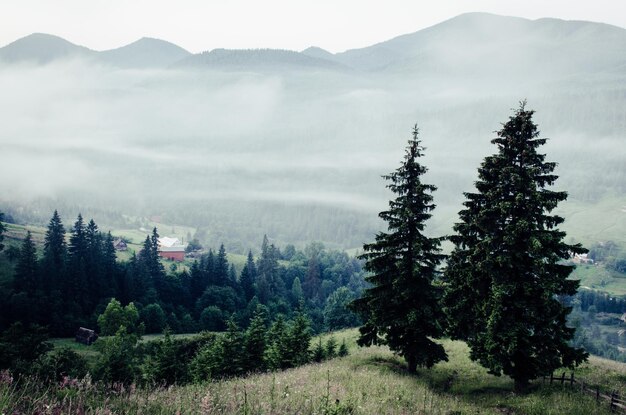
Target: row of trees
column 500, row 289
column 123, row 358
column 71, row 282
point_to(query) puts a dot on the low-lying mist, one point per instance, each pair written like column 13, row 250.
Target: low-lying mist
column 296, row 154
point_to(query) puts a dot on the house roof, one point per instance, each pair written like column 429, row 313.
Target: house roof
column 166, row 242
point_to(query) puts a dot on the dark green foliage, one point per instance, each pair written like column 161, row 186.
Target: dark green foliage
column 337, row 315
column 297, row 294
column 26, row 275
column 312, row 285
column 193, row 245
column 298, row 340
column 224, row 298
column 319, row 353
column 21, row 346
column 60, row 363
column 78, row 239
column 153, row 272
column 118, row 360
column 268, row 283
column 506, row 271
column 233, row 353
column 115, row 316
column 153, row 318
column 212, row 319
column 401, row 308
column 220, row 272
column 72, row 285
column 171, row 360
column 198, row 281
column 277, row 352
column 331, row 348
column 255, row 342
column 166, row 366
column 343, row 349
column 207, row 363
column 248, row 278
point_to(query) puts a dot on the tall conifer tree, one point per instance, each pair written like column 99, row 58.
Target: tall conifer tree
column 401, row 308
column 221, row 267
column 506, row 272
column 78, row 239
column 248, row 278
column 75, row 284
column 54, row 252
column 26, row 275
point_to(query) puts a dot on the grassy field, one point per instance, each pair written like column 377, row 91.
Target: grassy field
column 596, row 277
column 368, row 381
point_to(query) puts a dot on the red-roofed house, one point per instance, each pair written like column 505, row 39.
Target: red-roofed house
column 172, row 249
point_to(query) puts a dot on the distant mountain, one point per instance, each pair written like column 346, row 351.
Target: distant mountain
column 257, row 59
column 146, row 52
column 319, row 53
column 479, row 42
column 472, row 45
column 42, row 48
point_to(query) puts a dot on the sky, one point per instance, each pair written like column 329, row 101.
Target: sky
column 199, row 25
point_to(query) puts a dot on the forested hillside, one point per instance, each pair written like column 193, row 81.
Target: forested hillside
column 70, row 279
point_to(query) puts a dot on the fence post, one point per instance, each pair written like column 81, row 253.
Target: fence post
column 612, row 406
column 563, row 379
column 597, row 393
column 582, row 386
column 571, row 380
column 551, row 377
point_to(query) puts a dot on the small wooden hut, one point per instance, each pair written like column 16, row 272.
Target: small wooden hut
column 86, row 336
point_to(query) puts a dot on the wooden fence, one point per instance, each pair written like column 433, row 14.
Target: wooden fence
column 616, row 404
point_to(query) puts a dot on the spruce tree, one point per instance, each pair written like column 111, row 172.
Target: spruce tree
column 299, row 339
column 198, row 281
column 152, row 272
column 312, row 285
column 221, row 268
column 93, row 263
column 401, row 307
column 108, row 283
column 254, row 342
column 248, row 278
column 54, row 253
column 78, row 239
column 157, row 271
column 232, row 350
column 277, row 346
column 75, row 286
column 318, row 353
column 505, row 273
column 267, row 269
column 26, row 275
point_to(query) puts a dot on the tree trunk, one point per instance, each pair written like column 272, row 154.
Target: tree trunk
column 521, row 386
column 412, row 364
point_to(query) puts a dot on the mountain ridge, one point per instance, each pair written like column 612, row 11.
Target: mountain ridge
column 464, row 42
